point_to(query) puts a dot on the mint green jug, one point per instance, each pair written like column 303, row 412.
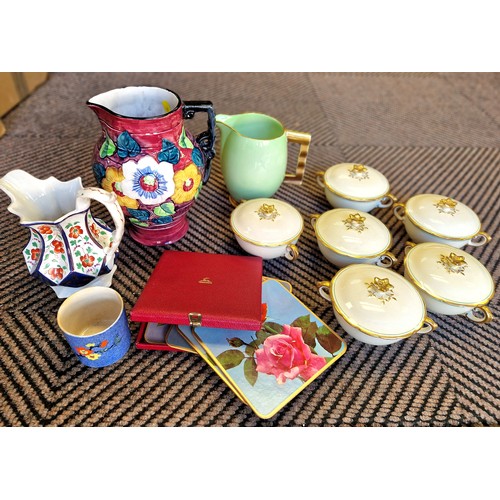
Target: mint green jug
column 254, row 153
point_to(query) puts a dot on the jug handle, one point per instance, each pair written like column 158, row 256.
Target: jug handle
column 304, row 139
column 110, row 201
column 206, row 140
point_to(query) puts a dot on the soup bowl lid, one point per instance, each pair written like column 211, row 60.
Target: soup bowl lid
column 377, row 301
column 449, row 274
column 356, row 182
column 267, row 222
column 352, row 233
column 442, row 216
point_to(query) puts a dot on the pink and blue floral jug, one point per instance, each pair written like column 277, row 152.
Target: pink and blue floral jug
column 149, row 160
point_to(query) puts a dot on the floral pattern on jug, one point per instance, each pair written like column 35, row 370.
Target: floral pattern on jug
column 150, row 190
column 33, row 251
column 47, row 249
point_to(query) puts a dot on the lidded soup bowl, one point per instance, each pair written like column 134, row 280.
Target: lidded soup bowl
column 376, row 305
column 356, row 186
column 437, row 218
column 267, row 228
column 450, row 280
column 347, row 236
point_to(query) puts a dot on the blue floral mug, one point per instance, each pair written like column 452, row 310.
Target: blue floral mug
column 94, row 323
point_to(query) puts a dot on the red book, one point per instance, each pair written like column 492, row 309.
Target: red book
column 214, row 290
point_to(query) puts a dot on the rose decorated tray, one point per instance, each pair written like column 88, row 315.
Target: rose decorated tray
column 267, row 368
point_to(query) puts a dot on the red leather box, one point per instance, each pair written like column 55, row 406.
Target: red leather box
column 212, row 290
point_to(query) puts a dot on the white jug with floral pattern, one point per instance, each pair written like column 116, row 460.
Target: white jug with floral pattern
column 69, row 248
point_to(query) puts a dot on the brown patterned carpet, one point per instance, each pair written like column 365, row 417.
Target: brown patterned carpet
column 426, row 132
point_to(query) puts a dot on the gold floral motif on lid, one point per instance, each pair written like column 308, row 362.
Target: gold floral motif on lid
column 267, row 211
column 359, row 172
column 453, row 263
column 355, row 222
column 447, row 206
column 381, row 289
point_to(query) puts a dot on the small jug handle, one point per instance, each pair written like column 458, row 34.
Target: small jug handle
column 110, row 201
column 206, row 140
column 304, row 140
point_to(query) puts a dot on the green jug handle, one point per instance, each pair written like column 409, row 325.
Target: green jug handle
column 206, row 140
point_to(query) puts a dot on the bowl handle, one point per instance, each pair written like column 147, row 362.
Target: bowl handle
column 292, row 252
column 480, row 314
column 428, row 326
column 387, row 201
column 320, row 179
column 480, row 239
column 388, row 259
column 399, row 210
column 313, row 218
column 408, row 246
column 324, row 289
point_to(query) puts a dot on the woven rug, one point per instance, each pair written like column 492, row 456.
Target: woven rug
column 426, row 132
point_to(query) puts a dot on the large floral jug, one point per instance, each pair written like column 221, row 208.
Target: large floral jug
column 147, row 157
column 68, row 248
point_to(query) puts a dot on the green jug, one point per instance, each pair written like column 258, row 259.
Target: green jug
column 254, row 152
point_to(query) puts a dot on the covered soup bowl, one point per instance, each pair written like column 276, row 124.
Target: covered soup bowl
column 438, row 218
column 375, row 305
column 347, row 236
column 450, row 280
column 356, row 186
column 267, row 228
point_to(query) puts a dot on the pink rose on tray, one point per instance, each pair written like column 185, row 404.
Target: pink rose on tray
column 286, row 356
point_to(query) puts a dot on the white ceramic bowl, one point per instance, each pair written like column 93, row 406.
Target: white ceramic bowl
column 355, row 186
column 375, row 305
column 437, row 218
column 346, row 236
column 267, row 228
column 450, row 280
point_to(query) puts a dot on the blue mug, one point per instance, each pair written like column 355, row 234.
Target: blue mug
column 94, row 323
